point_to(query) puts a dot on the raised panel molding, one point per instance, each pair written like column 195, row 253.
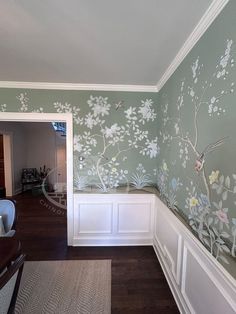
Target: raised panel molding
column 95, row 218
column 212, row 281
column 193, row 274
column 200, row 288
column 169, row 237
column 172, row 283
column 134, row 218
column 113, row 219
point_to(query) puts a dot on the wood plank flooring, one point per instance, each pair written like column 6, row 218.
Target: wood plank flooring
column 138, row 283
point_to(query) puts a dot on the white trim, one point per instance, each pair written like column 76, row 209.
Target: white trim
column 188, row 250
column 172, row 284
column 209, row 16
column 8, row 158
column 17, row 191
column 8, row 162
column 50, row 117
column 217, row 274
column 99, row 236
column 191, row 237
column 73, row 86
column 112, row 241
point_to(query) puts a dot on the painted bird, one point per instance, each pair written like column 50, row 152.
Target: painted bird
column 209, row 148
column 119, row 105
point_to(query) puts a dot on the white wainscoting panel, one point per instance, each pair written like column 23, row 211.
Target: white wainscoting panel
column 200, row 285
column 134, row 218
column 201, row 290
column 169, row 240
column 113, row 219
column 95, row 218
column 205, row 287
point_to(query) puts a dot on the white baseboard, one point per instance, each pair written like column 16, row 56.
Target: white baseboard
column 173, row 287
column 17, row 191
column 112, row 241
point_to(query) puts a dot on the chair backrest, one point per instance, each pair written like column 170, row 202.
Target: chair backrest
column 8, row 213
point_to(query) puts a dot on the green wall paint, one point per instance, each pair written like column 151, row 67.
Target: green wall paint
column 196, row 131
column 193, row 117
column 115, row 138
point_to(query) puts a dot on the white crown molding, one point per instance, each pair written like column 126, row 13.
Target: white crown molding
column 72, row 86
column 209, row 16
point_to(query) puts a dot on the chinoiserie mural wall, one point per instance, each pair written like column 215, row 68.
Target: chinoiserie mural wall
column 115, row 139
column 197, row 137
column 182, row 139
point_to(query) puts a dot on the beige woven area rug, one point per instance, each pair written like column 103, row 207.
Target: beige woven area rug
column 56, row 287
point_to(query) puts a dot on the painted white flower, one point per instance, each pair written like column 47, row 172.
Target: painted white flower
column 112, row 131
column 24, row 101
column 213, row 177
column 68, row 108
column 77, row 145
column 146, row 111
column 140, row 168
column 193, row 202
column 3, row 107
column 213, row 99
column 93, row 142
column 89, row 121
column 130, row 113
column 176, row 128
column 151, row 149
column 165, row 168
column 195, row 67
column 192, row 93
column 99, row 105
column 224, row 60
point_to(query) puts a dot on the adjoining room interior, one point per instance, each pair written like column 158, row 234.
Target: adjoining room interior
column 117, row 175
column 28, row 143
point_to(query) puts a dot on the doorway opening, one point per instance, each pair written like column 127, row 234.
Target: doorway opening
column 53, row 177
column 2, row 172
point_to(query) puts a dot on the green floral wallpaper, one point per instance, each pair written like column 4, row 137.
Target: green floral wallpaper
column 196, row 170
column 115, row 140
column 181, row 140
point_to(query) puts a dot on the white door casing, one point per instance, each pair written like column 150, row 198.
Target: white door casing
column 54, row 117
column 8, row 162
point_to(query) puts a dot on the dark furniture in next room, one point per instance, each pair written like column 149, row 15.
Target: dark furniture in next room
column 30, row 177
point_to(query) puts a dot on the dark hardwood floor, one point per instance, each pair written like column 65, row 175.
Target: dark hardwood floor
column 138, row 283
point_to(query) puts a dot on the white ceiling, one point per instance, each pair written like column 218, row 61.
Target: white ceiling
column 93, row 42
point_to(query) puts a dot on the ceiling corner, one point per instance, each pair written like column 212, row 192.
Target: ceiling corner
column 207, row 19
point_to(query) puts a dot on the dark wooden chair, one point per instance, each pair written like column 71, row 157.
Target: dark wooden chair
column 30, row 177
column 11, row 267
